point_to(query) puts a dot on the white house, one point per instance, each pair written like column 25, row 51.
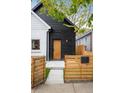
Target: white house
column 38, row 35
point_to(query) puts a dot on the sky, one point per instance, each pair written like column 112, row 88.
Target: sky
column 34, row 2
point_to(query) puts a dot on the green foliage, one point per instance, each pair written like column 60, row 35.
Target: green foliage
column 51, row 8
column 60, row 9
column 47, row 72
column 90, row 21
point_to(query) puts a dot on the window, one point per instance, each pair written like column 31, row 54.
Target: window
column 35, row 44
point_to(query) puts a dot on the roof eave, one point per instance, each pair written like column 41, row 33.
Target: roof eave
column 41, row 20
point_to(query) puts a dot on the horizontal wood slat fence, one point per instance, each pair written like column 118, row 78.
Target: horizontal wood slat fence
column 80, row 49
column 75, row 70
column 37, row 70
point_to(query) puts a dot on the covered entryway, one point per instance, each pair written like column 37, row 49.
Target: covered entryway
column 56, row 49
column 59, row 44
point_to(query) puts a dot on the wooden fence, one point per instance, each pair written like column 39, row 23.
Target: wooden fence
column 37, row 70
column 77, row 71
column 80, row 49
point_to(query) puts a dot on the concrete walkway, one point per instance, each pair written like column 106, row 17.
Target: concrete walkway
column 55, row 77
column 85, row 87
column 56, row 72
column 55, row 64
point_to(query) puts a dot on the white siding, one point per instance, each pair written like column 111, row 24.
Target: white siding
column 85, row 41
column 39, row 31
column 88, row 43
column 36, row 24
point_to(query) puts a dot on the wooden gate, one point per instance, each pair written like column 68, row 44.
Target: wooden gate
column 37, row 70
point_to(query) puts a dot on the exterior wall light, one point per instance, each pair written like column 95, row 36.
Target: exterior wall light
column 66, row 41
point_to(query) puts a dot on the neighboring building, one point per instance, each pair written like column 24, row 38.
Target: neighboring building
column 60, row 40
column 85, row 39
column 38, row 35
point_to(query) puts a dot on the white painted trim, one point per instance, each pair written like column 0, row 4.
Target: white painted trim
column 48, row 27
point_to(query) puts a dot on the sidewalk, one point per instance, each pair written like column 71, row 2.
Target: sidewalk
column 85, row 87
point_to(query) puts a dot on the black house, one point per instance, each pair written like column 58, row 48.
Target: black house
column 60, row 39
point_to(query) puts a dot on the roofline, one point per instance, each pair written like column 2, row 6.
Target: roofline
column 66, row 19
column 40, row 19
column 40, row 4
column 37, row 5
column 33, row 8
column 85, row 34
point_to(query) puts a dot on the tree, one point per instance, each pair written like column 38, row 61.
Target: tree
column 78, row 11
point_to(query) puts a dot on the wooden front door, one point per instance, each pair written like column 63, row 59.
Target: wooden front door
column 56, row 49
